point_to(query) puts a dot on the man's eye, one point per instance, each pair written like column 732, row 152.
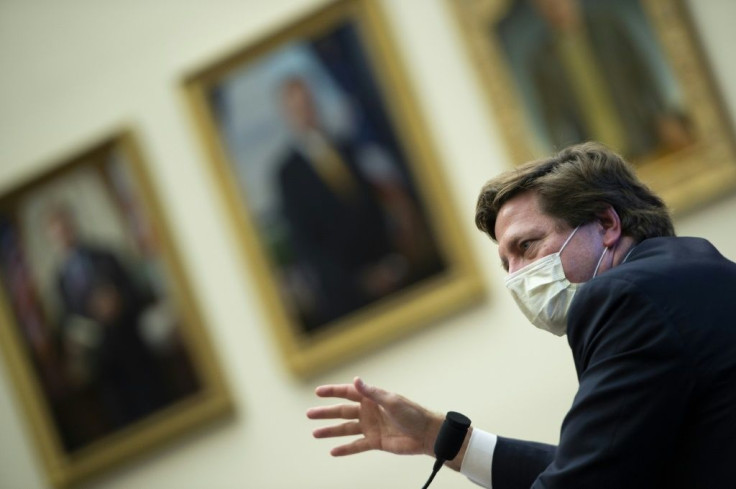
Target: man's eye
column 524, row 245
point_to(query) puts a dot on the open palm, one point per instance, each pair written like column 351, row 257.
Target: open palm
column 387, row 421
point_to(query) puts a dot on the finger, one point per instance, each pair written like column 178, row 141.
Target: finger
column 377, row 395
column 358, row 446
column 343, row 391
column 344, row 429
column 340, row 411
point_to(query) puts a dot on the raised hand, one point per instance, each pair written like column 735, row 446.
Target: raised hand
column 386, row 421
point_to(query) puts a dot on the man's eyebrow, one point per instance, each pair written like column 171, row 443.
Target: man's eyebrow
column 512, row 242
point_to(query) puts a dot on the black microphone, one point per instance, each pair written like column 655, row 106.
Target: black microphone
column 449, row 440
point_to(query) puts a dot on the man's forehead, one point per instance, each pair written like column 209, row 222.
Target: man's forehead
column 516, row 211
column 521, row 217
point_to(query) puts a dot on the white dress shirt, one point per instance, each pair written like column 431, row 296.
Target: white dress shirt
column 478, row 458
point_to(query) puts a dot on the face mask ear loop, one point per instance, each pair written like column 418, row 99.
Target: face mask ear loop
column 569, row 238
column 600, row 260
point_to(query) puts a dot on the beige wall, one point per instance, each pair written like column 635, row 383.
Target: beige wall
column 72, row 70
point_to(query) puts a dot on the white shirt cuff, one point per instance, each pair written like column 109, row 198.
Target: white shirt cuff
column 478, row 458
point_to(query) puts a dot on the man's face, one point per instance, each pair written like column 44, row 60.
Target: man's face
column 560, row 14
column 299, row 107
column 61, row 231
column 525, row 234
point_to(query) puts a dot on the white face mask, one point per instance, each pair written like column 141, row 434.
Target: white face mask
column 543, row 293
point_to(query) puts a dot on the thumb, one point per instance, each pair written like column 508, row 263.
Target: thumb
column 379, row 396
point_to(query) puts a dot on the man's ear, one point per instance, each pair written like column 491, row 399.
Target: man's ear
column 610, row 225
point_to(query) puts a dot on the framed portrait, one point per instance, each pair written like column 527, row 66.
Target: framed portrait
column 628, row 73
column 98, row 326
column 319, row 150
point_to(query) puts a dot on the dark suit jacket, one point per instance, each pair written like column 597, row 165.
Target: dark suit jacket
column 88, row 268
column 335, row 236
column 123, row 369
column 654, row 344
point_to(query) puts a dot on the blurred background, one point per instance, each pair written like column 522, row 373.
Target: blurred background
column 73, row 71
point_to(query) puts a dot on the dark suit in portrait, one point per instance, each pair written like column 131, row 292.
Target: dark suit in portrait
column 95, row 287
column 338, row 227
column 338, row 215
column 653, row 342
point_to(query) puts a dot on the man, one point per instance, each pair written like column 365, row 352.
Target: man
column 592, row 80
column 101, row 312
column 649, row 317
column 334, row 209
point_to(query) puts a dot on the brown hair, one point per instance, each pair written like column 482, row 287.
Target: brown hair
column 576, row 185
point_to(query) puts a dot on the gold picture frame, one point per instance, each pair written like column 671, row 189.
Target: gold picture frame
column 628, row 73
column 326, row 169
column 99, row 329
